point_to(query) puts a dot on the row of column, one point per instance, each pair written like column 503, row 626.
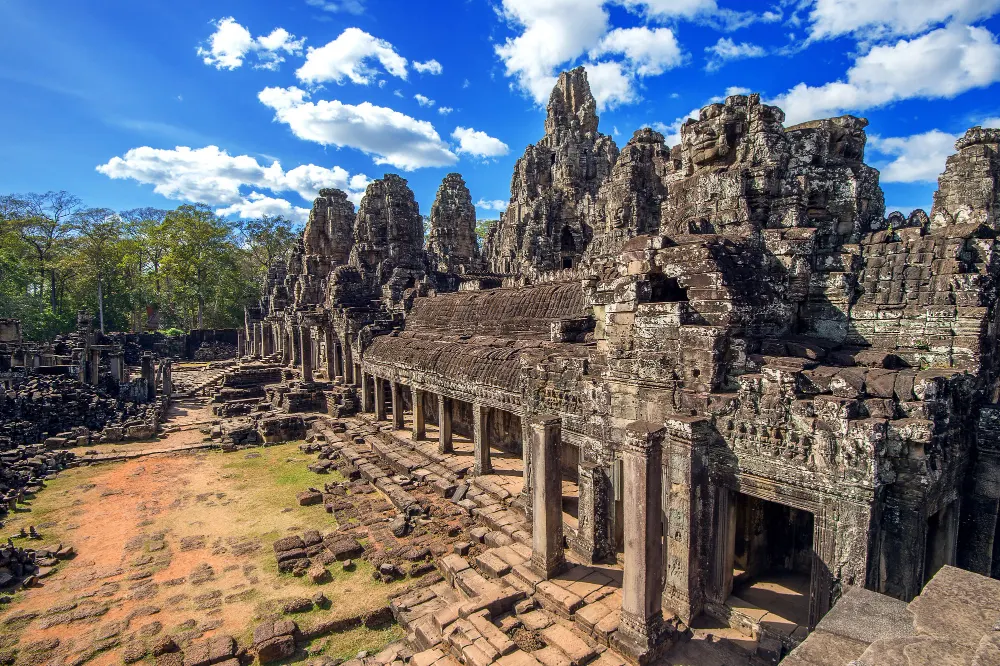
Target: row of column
column 295, row 346
column 372, row 385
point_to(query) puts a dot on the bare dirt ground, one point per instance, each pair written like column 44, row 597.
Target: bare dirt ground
column 175, row 544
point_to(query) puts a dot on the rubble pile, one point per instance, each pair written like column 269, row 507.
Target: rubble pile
column 215, row 351
column 25, row 467
column 22, row 567
column 38, row 407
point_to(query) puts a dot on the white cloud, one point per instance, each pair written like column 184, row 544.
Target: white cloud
column 610, row 84
column 726, row 49
column 445, row 110
column 884, row 18
column 465, row 83
column 231, row 43
column 734, row 90
column 495, row 204
column 350, row 56
column 338, row 6
column 941, row 64
column 478, row 144
column 389, row 136
column 256, row 205
column 398, row 93
column 429, row 67
column 702, row 11
column 918, row 158
column 552, row 33
column 423, row 100
column 215, row 177
column 649, row 52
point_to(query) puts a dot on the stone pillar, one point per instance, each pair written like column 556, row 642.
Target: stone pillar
column 379, row 399
column 168, row 379
column 253, row 339
column 397, row 406
column 94, row 366
column 306, row 355
column 331, row 370
column 547, row 556
column 445, row 445
column 149, row 375
column 296, row 345
column 641, row 625
column 419, row 426
column 366, row 392
column 117, row 360
column 259, row 337
column 481, row 440
column 723, row 545
column 685, row 448
column 241, row 343
column 592, row 534
column 350, row 376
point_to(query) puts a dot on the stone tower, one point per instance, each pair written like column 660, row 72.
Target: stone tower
column 549, row 222
column 451, row 245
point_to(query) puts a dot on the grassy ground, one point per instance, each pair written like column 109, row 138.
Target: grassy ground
column 166, row 518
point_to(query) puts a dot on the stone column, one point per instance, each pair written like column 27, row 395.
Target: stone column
column 379, row 399
column 397, row 406
column 149, row 375
column 259, row 327
column 241, row 343
column 591, row 542
column 265, row 336
column 296, row 345
column 641, row 625
column 350, row 376
column 723, row 545
column 168, row 379
column 305, row 339
column 445, row 445
column 419, row 427
column 366, row 393
column 331, row 370
column 253, row 339
column 481, row 440
column 95, row 366
column 338, row 360
column 547, row 556
column 118, row 366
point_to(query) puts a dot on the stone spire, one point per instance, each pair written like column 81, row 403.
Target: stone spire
column 388, row 233
column 969, row 189
column 549, row 221
column 330, row 229
column 451, row 244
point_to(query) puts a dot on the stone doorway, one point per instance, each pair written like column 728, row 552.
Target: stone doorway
column 941, row 541
column 771, row 556
column 570, row 469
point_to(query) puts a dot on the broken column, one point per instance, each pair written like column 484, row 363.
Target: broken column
column 419, row 427
column 149, row 376
column 241, row 343
column 546, row 529
column 117, row 362
column 397, row 406
column 481, row 440
column 445, row 444
column 640, row 629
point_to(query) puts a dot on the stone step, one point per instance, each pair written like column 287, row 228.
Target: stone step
column 426, row 634
column 496, row 638
column 492, row 565
column 557, row 599
column 576, row 649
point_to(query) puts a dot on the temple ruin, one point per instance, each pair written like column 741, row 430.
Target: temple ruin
column 716, row 366
column 714, row 380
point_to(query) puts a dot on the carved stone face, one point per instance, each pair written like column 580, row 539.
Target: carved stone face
column 847, row 139
column 712, row 138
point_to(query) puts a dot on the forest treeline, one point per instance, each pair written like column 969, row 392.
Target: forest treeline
column 187, row 267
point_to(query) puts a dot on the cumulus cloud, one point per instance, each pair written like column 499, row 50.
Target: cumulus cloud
column 610, row 84
column 445, row 110
column 213, row 176
column 726, row 49
column 649, row 52
column 494, row 204
column 232, row 43
column 256, row 205
column 884, row 18
column 389, row 136
column 478, row 144
column 429, row 67
column 351, row 56
column 422, row 100
column 941, row 64
column 339, row 6
column 917, row 159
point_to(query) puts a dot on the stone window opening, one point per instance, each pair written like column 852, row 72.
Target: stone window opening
column 567, row 246
column 665, row 289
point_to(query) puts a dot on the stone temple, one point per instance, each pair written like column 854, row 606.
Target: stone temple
column 719, row 369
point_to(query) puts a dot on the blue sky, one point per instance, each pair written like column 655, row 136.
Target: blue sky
column 252, row 106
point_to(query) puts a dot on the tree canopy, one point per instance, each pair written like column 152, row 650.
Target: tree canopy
column 135, row 269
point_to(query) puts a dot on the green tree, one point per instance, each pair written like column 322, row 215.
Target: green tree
column 265, row 240
column 99, row 250
column 199, row 246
